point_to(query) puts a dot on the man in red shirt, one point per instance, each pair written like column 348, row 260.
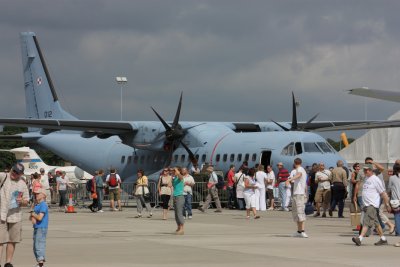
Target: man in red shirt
column 283, row 176
column 231, row 187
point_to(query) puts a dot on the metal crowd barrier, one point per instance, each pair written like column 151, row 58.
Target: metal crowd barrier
column 81, row 196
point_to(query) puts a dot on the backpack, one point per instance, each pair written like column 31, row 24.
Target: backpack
column 113, row 182
column 89, row 185
column 221, row 182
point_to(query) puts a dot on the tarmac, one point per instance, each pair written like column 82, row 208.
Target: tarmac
column 211, row 239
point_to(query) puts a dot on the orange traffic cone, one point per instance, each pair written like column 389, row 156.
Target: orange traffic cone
column 70, row 208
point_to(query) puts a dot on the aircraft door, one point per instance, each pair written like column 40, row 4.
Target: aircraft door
column 266, row 158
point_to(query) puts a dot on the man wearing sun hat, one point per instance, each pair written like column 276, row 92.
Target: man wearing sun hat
column 13, row 194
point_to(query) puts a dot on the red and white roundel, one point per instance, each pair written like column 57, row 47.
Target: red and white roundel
column 39, row 80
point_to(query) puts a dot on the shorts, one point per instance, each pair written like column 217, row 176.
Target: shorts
column 270, row 193
column 371, row 216
column 250, row 200
column 114, row 194
column 10, row 232
column 298, row 208
column 323, row 196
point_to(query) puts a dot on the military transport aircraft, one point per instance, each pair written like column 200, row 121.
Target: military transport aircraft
column 151, row 145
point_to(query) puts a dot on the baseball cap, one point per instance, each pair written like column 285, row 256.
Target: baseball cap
column 368, row 166
column 18, row 168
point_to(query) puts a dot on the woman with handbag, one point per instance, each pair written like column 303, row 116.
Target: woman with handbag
column 142, row 194
column 165, row 190
column 394, row 193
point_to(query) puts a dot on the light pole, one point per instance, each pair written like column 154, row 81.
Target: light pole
column 121, row 81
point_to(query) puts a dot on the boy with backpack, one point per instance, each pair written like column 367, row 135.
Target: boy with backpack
column 40, row 220
column 113, row 181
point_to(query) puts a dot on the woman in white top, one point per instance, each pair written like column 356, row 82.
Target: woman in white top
column 165, row 190
column 250, row 185
column 239, row 182
column 270, row 187
column 261, row 179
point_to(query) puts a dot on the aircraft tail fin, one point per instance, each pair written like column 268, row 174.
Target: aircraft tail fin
column 40, row 94
column 29, row 158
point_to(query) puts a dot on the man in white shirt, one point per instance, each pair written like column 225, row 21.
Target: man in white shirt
column 239, row 182
column 299, row 197
column 270, row 187
column 44, row 181
column 187, row 193
column 261, row 178
column 323, row 193
column 373, row 191
column 212, row 191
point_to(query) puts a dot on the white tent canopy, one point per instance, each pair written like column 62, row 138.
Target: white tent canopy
column 380, row 144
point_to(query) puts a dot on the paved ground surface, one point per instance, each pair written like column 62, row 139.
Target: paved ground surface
column 226, row 239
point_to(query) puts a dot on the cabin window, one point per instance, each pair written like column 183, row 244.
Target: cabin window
column 311, row 148
column 129, row 159
column 135, row 159
column 217, row 157
column 183, row 158
column 232, row 158
column 122, row 159
column 239, row 157
column 254, row 157
column 197, row 157
column 176, row 158
column 225, row 157
column 246, row 157
column 203, row 158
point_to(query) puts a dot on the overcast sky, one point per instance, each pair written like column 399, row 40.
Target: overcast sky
column 233, row 60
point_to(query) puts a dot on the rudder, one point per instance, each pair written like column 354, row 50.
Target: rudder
column 40, row 94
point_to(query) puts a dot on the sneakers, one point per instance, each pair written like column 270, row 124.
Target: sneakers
column 8, row 265
column 323, row 215
column 397, row 244
column 356, row 241
column 270, row 208
column 138, row 216
column 201, row 209
column 115, row 209
column 150, row 215
column 100, row 211
column 286, row 209
column 381, row 242
column 190, row 217
column 300, row 235
column 316, row 214
column 330, row 213
column 256, row 217
column 218, row 211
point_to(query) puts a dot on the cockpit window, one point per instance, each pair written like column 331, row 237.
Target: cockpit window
column 311, row 148
column 324, row 147
column 288, row 150
column 298, row 148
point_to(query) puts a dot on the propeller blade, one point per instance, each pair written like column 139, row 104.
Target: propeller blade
column 178, row 113
column 188, row 128
column 294, row 114
column 280, row 125
column 305, row 126
column 166, row 125
column 191, row 155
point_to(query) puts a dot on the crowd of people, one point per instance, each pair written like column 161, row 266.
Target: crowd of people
column 254, row 189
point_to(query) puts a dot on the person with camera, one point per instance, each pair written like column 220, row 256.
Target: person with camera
column 142, row 194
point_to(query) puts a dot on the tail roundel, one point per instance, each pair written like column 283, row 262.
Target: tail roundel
column 40, row 94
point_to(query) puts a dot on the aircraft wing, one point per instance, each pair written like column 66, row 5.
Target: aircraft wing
column 377, row 94
column 98, row 127
column 315, row 126
column 362, row 126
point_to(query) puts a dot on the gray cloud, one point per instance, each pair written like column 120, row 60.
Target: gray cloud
column 234, row 60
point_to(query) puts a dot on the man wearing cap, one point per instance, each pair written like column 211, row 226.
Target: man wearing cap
column 13, row 194
column 212, row 191
column 44, row 181
column 373, row 190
